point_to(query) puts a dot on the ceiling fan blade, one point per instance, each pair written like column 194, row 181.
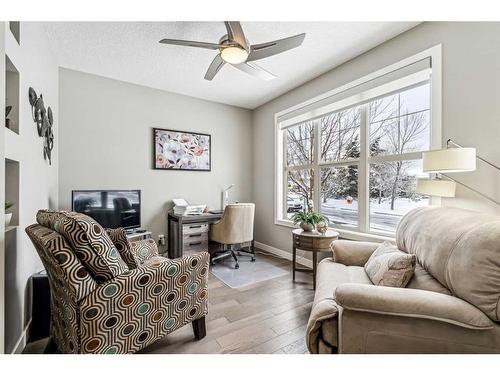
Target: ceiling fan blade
column 235, row 33
column 263, row 50
column 215, row 66
column 255, row 70
column 190, row 43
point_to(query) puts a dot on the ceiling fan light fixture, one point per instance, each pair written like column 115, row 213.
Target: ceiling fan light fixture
column 233, row 48
column 234, row 55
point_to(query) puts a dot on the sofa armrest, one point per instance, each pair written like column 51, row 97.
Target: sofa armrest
column 411, row 303
column 352, row 253
column 143, row 304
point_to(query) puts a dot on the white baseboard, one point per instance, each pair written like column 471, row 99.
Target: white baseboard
column 21, row 342
column 283, row 254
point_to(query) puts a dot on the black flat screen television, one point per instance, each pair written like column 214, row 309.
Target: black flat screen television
column 110, row 208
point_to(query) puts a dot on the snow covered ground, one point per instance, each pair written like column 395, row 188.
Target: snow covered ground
column 382, row 218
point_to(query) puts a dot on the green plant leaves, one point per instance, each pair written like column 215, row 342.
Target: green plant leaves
column 309, row 218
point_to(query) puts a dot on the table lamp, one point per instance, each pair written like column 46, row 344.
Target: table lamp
column 225, row 197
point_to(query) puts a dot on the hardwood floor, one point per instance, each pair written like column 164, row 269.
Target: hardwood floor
column 266, row 317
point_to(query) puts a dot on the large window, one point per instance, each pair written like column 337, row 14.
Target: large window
column 299, row 159
column 358, row 164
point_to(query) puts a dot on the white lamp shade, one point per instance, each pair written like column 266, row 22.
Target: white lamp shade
column 436, row 188
column 461, row 159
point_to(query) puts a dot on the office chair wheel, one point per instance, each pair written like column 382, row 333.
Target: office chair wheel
column 236, row 266
column 253, row 259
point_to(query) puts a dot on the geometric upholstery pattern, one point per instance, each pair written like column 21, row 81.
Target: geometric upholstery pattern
column 144, row 250
column 135, row 309
column 89, row 240
column 49, row 218
column 126, row 313
column 123, row 245
column 69, row 283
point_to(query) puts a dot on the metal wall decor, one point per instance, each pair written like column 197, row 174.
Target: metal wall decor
column 44, row 120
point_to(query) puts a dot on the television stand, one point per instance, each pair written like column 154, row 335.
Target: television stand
column 136, row 235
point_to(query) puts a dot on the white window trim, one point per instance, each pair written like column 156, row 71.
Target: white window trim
column 435, row 54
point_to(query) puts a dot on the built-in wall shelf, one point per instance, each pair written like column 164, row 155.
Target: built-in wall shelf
column 11, row 96
column 12, row 189
column 10, row 228
column 15, row 28
column 13, row 145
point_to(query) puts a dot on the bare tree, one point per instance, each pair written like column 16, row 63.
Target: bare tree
column 300, row 151
column 390, row 124
column 401, row 135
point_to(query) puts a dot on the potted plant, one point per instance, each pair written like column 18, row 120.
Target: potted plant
column 308, row 220
column 8, row 216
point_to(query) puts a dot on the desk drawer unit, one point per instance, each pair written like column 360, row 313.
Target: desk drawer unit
column 189, row 233
column 194, row 228
column 194, row 238
column 194, row 247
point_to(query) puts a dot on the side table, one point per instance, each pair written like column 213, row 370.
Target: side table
column 314, row 242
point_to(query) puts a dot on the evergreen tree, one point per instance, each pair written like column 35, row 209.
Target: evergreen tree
column 346, row 178
column 352, row 152
column 377, row 172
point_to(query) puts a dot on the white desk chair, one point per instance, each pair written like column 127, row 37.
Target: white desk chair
column 235, row 228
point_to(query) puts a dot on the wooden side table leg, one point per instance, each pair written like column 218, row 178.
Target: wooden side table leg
column 293, row 260
column 315, row 265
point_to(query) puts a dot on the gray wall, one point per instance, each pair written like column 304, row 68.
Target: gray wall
column 37, row 179
column 471, row 114
column 106, row 143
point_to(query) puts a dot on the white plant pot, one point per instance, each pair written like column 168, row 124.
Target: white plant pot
column 8, row 218
column 307, row 227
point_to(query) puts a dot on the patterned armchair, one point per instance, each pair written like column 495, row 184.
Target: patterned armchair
column 109, row 295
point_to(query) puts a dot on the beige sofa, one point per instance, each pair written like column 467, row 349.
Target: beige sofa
column 451, row 304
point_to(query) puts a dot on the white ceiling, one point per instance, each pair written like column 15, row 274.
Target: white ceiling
column 129, row 51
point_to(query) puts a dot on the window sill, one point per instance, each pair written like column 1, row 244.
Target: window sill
column 346, row 234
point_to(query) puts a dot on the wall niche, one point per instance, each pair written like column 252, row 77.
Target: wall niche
column 15, row 28
column 12, row 190
column 11, row 96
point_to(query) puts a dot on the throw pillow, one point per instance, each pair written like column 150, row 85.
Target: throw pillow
column 389, row 266
column 123, row 245
column 89, row 241
column 144, row 250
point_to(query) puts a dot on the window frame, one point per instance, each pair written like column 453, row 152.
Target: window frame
column 362, row 232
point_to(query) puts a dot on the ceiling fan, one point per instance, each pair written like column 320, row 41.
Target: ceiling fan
column 235, row 50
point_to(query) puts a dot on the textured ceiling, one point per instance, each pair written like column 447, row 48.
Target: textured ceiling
column 129, row 51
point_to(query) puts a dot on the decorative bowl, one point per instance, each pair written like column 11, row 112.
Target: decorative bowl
column 322, row 227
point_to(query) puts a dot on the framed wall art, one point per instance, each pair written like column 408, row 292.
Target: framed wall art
column 181, row 150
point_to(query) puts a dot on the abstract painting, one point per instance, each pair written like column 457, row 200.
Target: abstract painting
column 181, row 150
